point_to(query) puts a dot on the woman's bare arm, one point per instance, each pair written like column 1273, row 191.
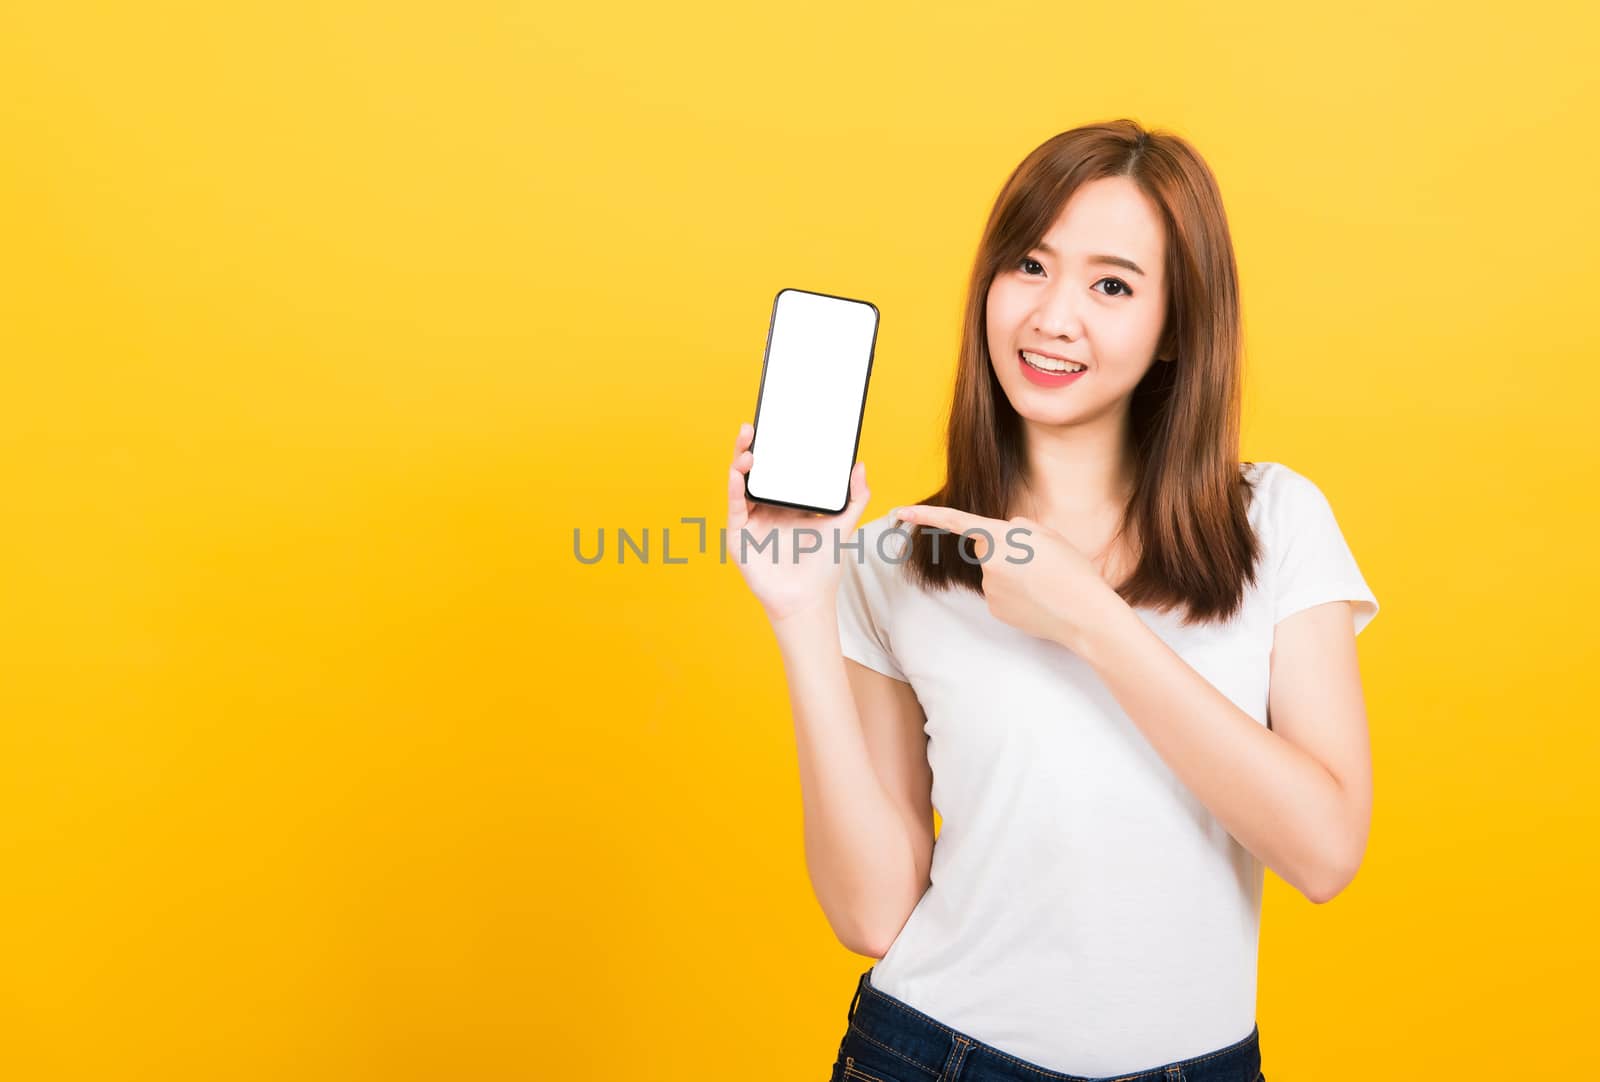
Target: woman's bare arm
column 865, row 783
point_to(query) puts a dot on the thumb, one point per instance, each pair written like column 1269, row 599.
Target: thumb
column 738, row 505
column 859, row 495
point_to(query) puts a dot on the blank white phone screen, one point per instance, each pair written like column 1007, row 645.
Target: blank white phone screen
column 813, row 389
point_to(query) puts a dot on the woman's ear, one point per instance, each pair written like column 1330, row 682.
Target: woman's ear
column 1167, row 348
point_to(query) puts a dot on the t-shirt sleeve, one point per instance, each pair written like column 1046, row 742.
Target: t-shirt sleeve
column 1312, row 563
column 863, row 606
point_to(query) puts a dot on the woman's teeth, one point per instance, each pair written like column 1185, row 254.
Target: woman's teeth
column 1050, row 364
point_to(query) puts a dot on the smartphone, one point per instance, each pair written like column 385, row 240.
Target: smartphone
column 811, row 401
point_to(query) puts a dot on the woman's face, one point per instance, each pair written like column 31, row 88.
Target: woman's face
column 1070, row 298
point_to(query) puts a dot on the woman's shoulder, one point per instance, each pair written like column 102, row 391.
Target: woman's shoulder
column 1276, row 477
column 871, row 579
column 1279, row 493
column 880, row 542
column 1262, row 473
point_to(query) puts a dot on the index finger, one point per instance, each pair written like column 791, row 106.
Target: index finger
column 950, row 518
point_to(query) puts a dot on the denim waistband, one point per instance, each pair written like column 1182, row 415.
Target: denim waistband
column 948, row 1055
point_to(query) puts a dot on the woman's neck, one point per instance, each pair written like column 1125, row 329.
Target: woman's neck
column 1076, row 472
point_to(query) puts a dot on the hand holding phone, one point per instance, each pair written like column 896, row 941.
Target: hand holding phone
column 786, row 577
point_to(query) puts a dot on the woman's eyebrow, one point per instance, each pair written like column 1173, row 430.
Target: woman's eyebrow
column 1114, row 260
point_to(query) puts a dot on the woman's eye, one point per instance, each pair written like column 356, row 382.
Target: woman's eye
column 1122, row 289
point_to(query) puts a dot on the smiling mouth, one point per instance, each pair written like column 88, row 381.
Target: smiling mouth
column 1061, row 368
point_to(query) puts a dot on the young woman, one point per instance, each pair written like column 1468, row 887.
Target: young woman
column 1129, row 686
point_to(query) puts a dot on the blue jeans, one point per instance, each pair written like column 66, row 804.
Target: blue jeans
column 890, row 1041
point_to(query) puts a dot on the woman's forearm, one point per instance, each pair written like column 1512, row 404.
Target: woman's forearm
column 1273, row 797
column 858, row 851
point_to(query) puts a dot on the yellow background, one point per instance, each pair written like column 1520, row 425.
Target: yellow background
column 324, row 325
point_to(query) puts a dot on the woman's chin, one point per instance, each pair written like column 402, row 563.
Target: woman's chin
column 1039, row 409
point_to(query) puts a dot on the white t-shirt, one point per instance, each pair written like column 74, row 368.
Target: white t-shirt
column 1086, row 911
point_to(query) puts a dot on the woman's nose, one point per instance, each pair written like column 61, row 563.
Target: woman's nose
column 1058, row 317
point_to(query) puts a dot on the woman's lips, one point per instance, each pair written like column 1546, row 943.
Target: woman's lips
column 1046, row 379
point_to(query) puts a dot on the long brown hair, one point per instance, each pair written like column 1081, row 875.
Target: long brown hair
column 1186, row 517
